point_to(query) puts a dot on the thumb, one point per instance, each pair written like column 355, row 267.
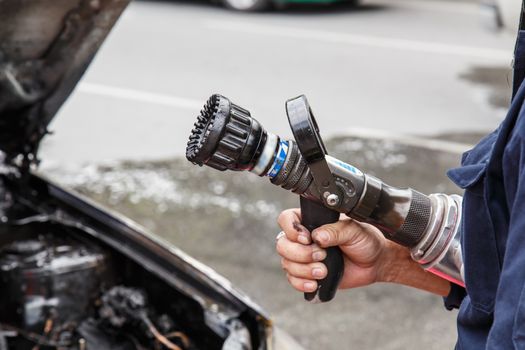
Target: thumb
column 340, row 233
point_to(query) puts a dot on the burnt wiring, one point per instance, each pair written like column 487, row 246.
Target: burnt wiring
column 46, row 338
column 123, row 306
column 183, row 337
column 34, row 337
column 161, row 338
column 48, row 327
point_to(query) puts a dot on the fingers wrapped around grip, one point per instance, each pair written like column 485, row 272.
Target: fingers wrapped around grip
column 301, row 284
column 363, row 246
column 306, row 271
column 340, row 233
column 297, row 252
column 344, row 232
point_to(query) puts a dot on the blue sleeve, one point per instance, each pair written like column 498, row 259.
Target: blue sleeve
column 509, row 308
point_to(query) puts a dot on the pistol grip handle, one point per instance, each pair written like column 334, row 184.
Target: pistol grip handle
column 315, row 215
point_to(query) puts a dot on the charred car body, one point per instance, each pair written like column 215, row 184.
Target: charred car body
column 72, row 274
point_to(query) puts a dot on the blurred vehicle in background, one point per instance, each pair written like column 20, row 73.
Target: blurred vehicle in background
column 509, row 11
column 259, row 5
column 503, row 14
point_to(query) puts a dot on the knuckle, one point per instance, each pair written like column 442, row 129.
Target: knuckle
column 304, row 271
column 293, row 252
column 282, row 218
column 291, row 235
column 294, row 282
column 352, row 231
column 285, row 216
column 298, row 254
column 306, row 255
column 294, row 269
column 279, row 246
column 284, row 264
column 333, row 233
column 297, row 270
column 343, row 231
column 301, row 270
column 283, row 248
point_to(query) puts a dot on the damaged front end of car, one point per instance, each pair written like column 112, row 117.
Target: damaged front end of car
column 75, row 276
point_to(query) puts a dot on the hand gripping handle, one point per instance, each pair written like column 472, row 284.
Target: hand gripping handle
column 315, row 215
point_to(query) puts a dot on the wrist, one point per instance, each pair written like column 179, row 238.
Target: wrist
column 399, row 267
column 395, row 262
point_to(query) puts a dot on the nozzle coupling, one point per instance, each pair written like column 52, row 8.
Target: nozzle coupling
column 439, row 249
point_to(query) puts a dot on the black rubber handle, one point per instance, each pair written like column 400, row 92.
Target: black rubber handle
column 315, row 215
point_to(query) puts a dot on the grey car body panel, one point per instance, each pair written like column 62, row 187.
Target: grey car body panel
column 45, row 48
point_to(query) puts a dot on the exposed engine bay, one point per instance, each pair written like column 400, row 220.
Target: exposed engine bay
column 61, row 288
column 60, row 292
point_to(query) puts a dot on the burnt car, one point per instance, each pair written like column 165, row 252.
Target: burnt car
column 74, row 275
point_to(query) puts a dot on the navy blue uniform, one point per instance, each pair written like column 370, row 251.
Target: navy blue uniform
column 492, row 311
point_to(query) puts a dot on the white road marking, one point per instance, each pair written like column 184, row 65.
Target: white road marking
column 361, row 40
column 185, row 103
column 410, row 140
column 139, row 95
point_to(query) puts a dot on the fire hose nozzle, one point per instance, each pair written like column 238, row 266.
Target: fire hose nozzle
column 227, row 137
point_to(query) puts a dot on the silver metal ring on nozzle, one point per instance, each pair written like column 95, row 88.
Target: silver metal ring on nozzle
column 444, row 236
column 440, row 250
column 438, row 201
column 266, row 155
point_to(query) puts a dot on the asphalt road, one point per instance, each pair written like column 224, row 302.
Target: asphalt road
column 396, row 66
column 388, row 68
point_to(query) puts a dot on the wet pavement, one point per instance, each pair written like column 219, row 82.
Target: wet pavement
column 496, row 79
column 227, row 220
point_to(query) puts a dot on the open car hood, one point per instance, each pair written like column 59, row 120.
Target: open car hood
column 45, row 47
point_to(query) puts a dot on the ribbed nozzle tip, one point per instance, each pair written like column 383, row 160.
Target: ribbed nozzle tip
column 225, row 136
column 197, row 149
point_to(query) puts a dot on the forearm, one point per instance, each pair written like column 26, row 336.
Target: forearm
column 400, row 268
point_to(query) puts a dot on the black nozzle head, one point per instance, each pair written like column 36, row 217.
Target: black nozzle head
column 200, row 148
column 225, row 136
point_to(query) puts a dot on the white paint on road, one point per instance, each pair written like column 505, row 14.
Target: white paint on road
column 139, row 96
column 361, row 40
column 409, row 140
column 185, row 103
